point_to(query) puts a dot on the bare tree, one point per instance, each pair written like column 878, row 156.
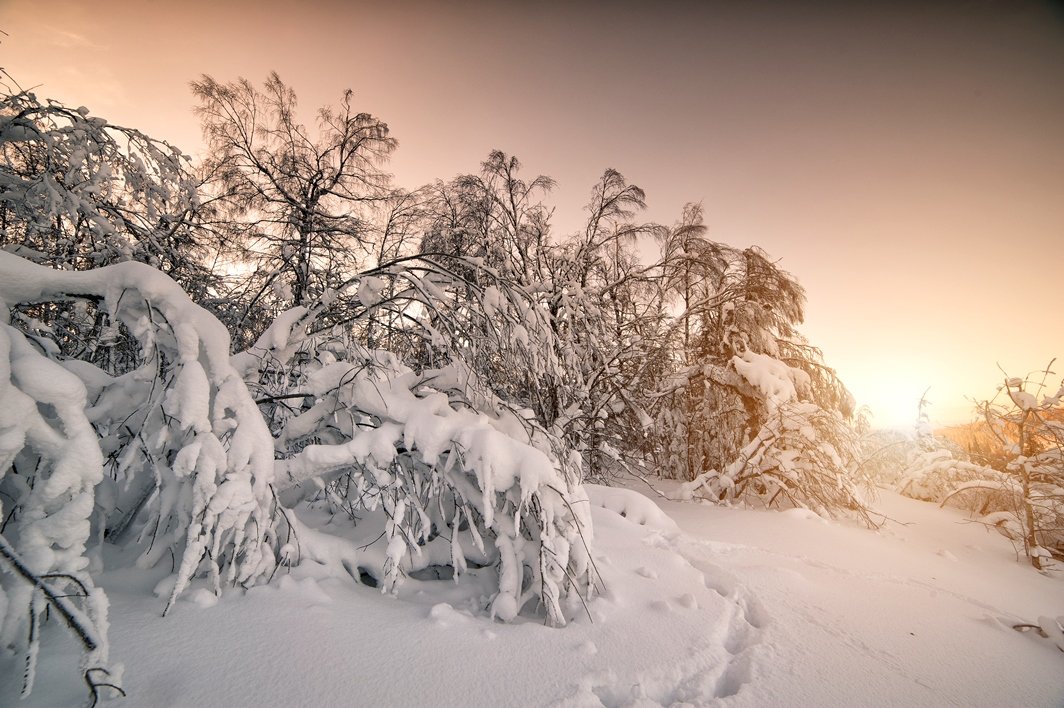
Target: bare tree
column 297, row 198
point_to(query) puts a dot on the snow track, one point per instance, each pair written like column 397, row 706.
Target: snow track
column 919, row 613
column 723, row 654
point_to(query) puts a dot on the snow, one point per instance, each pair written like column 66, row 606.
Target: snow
column 370, row 289
column 776, row 381
column 1023, row 400
column 703, row 605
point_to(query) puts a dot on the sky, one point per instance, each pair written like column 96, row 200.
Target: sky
column 904, row 160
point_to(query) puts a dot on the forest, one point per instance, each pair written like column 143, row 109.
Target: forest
column 199, row 358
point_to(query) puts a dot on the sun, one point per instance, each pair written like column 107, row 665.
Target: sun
column 891, row 391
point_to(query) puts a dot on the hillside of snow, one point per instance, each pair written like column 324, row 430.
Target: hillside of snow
column 702, row 605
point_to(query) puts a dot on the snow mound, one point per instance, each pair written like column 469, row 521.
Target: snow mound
column 632, row 506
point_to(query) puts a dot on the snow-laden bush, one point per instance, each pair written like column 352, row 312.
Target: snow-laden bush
column 885, row 455
column 802, row 454
column 801, row 457
column 934, row 475
column 184, row 455
column 462, row 479
column 997, row 498
column 50, row 463
column 1023, row 496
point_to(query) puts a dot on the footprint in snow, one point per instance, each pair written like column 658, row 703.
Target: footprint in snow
column 687, row 600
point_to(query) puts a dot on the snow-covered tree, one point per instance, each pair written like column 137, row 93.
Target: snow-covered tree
column 601, row 307
column 925, row 433
column 491, row 230
column 77, row 192
column 607, row 311
column 749, row 410
column 497, row 216
column 442, row 471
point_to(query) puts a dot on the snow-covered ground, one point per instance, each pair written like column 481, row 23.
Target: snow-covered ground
column 702, row 606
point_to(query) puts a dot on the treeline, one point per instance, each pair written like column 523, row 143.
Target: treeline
column 630, row 362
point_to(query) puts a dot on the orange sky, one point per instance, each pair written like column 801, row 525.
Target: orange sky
column 904, row 160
